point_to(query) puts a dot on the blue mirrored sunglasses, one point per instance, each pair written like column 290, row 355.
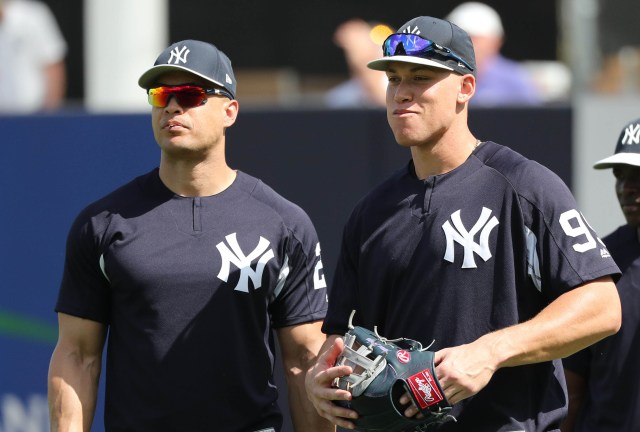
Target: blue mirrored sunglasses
column 414, row 45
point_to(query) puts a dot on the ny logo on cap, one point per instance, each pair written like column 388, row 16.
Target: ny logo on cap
column 180, row 55
column 632, row 135
column 415, row 30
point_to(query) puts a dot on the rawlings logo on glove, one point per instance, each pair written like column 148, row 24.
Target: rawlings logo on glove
column 382, row 372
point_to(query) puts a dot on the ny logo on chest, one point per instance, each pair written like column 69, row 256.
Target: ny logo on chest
column 231, row 253
column 458, row 233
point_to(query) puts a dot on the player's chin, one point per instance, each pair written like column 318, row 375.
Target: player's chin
column 411, row 143
column 405, row 138
column 632, row 218
column 182, row 150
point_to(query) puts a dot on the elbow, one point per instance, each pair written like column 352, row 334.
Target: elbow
column 82, row 362
column 612, row 315
column 297, row 369
column 293, row 374
column 615, row 321
column 610, row 325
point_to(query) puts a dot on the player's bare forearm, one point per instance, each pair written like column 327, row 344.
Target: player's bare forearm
column 300, row 345
column 72, row 392
column 74, row 373
column 319, row 389
column 572, row 322
column 303, row 415
column 575, row 320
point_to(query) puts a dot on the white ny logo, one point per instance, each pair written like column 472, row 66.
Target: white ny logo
column 631, row 135
column 180, row 55
column 236, row 257
column 465, row 238
column 415, row 30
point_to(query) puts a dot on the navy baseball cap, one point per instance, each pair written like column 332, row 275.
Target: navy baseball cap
column 450, row 47
column 627, row 148
column 199, row 58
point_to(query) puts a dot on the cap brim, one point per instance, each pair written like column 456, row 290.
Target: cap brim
column 382, row 64
column 149, row 78
column 618, row 159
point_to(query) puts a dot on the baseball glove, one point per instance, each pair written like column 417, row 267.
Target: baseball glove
column 383, row 371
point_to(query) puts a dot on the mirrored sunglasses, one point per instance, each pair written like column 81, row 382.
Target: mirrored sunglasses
column 187, row 96
column 414, row 45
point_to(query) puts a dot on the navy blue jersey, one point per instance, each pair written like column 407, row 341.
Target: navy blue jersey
column 624, row 246
column 190, row 289
column 612, row 400
column 458, row 255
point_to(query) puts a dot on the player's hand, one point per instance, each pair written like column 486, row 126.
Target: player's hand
column 321, row 393
column 462, row 371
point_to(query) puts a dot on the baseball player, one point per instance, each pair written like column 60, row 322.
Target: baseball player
column 188, row 268
column 471, row 246
column 603, row 379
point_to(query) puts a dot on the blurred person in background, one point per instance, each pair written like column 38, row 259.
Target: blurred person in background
column 360, row 41
column 500, row 81
column 619, row 40
column 32, row 53
column 602, row 380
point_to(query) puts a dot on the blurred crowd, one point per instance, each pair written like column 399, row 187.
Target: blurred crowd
column 33, row 53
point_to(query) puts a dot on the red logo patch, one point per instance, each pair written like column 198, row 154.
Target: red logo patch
column 404, row 356
column 425, row 389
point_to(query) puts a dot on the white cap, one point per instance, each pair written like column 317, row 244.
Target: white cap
column 477, row 19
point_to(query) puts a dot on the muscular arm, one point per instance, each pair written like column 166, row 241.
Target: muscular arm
column 300, row 345
column 319, row 389
column 572, row 322
column 74, row 372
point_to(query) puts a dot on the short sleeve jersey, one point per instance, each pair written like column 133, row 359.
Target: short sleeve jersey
column 191, row 289
column 458, row 255
column 612, row 401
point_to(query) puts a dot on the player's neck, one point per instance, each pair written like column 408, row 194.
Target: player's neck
column 189, row 178
column 442, row 157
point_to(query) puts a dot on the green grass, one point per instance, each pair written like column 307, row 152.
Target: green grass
column 27, row 328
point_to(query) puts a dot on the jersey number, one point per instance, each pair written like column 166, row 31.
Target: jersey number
column 577, row 229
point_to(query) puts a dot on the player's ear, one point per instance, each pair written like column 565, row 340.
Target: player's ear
column 467, row 88
column 231, row 112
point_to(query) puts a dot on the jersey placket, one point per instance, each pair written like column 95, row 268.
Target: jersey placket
column 429, row 185
column 197, row 214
